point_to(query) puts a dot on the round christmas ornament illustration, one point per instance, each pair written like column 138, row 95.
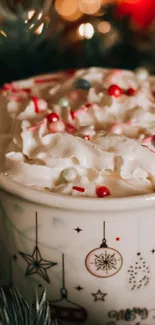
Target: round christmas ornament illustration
column 104, row 261
column 65, row 310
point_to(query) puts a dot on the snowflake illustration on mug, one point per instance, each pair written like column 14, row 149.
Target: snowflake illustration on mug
column 104, row 261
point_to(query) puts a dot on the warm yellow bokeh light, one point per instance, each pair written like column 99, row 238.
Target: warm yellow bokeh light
column 3, row 33
column 31, row 26
column 66, row 8
column 40, row 15
column 30, row 14
column 89, row 7
column 104, row 27
column 86, row 31
column 39, row 29
column 78, row 14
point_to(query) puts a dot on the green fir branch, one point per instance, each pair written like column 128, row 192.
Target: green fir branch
column 14, row 310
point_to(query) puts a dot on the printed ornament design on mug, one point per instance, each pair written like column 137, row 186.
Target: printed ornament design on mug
column 104, row 261
column 36, row 264
column 64, row 309
column 139, row 273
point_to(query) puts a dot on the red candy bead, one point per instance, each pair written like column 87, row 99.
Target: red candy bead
column 115, row 91
column 102, row 191
column 87, row 137
column 53, row 117
column 131, row 92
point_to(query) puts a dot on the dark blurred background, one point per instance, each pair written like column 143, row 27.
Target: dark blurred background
column 38, row 36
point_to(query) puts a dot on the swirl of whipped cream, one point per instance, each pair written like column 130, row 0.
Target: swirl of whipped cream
column 38, row 156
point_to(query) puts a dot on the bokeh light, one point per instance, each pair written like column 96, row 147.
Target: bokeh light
column 89, row 7
column 104, row 27
column 66, row 7
column 30, row 14
column 39, row 29
column 86, row 31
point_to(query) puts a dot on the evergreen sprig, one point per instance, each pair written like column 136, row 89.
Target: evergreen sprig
column 14, row 310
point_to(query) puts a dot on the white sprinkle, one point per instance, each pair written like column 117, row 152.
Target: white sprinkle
column 69, row 174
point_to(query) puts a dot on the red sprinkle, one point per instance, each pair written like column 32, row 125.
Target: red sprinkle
column 70, row 128
column 149, row 139
column 131, row 92
column 26, row 90
column 102, row 191
column 148, row 148
column 46, row 80
column 87, row 137
column 53, row 117
column 115, row 91
column 35, row 102
column 117, row 238
column 73, row 115
column 79, row 189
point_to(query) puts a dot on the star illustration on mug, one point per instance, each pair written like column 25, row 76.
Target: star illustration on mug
column 79, row 288
column 78, row 230
column 99, row 295
column 36, row 264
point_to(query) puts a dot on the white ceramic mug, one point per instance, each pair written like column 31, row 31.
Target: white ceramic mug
column 95, row 257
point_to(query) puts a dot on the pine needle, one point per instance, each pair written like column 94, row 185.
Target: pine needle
column 14, row 310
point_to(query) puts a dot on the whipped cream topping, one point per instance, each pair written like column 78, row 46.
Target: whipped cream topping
column 70, row 134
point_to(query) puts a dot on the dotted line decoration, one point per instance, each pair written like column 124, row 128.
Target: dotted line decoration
column 139, row 273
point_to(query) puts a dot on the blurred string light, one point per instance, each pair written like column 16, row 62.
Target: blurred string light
column 39, row 15
column 86, row 31
column 30, row 14
column 3, row 33
column 89, row 7
column 31, row 26
column 39, row 29
column 104, row 27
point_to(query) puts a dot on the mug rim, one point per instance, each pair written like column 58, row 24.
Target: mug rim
column 63, row 201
